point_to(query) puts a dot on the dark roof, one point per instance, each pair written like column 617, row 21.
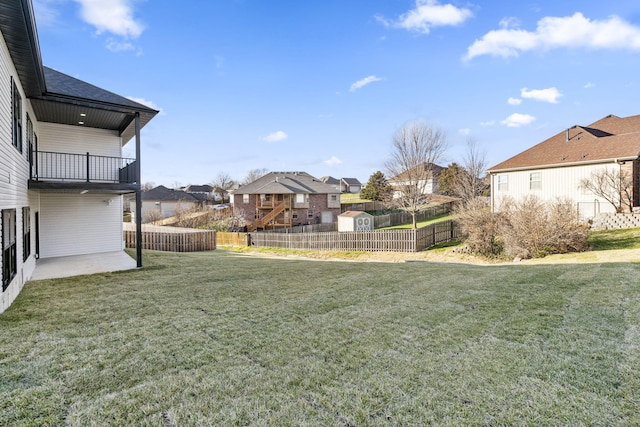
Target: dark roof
column 199, row 189
column 351, row 181
column 287, row 183
column 57, row 97
column 610, row 138
column 329, row 180
column 164, row 194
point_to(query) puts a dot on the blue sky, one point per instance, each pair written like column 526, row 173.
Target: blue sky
column 321, row 86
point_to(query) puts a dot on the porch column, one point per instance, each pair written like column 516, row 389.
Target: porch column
column 138, row 195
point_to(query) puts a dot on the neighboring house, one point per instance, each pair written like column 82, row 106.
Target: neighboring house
column 424, row 177
column 204, row 193
column 62, row 171
column 162, row 202
column 285, row 199
column 555, row 167
column 345, row 185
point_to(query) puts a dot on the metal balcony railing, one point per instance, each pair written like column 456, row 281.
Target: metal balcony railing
column 67, row 167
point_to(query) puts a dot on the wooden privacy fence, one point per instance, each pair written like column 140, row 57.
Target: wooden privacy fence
column 171, row 239
column 398, row 218
column 232, row 239
column 378, row 240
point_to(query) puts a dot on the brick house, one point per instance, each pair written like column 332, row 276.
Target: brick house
column 286, row 199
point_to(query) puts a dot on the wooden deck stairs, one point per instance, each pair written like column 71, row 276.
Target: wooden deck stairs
column 260, row 223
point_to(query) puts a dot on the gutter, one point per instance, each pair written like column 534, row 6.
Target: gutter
column 562, row 165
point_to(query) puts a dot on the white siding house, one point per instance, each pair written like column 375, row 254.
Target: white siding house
column 62, row 175
column 555, row 168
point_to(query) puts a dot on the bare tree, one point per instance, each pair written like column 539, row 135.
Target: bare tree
column 416, row 147
column 222, row 184
column 148, row 186
column 613, row 185
column 254, row 174
column 471, row 184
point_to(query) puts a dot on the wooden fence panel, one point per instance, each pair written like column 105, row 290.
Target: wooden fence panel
column 402, row 240
column 171, row 239
column 232, row 238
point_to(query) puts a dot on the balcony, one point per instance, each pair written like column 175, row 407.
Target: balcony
column 66, row 171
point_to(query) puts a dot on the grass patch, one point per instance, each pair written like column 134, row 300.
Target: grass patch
column 420, row 224
column 628, row 238
column 218, row 338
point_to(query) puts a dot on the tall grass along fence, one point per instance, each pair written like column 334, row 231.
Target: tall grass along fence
column 171, row 239
column 378, row 240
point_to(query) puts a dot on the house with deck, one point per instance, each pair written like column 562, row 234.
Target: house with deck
column 286, row 199
column 556, row 167
column 62, row 174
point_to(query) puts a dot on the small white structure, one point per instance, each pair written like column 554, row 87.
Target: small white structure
column 355, row 221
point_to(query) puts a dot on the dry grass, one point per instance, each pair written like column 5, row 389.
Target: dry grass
column 221, row 338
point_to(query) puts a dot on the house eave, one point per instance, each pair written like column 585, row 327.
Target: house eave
column 564, row 165
column 83, row 187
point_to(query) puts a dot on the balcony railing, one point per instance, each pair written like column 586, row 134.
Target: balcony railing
column 66, row 167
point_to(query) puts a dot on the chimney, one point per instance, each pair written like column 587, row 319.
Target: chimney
column 567, row 138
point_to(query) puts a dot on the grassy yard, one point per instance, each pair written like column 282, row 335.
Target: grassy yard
column 420, row 224
column 223, row 338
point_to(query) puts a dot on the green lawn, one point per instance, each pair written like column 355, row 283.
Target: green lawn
column 222, row 338
column 420, row 224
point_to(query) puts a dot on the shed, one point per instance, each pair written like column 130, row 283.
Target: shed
column 355, row 221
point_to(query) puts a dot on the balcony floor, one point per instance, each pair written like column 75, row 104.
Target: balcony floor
column 53, row 268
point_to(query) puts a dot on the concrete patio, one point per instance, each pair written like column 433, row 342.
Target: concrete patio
column 53, row 268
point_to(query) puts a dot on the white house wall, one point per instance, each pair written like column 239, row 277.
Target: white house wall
column 555, row 183
column 76, row 224
column 14, row 175
column 78, row 140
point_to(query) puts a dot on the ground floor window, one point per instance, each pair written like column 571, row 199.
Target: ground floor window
column 9, row 264
column 26, row 233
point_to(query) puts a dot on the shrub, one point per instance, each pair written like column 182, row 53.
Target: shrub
column 480, row 226
column 528, row 228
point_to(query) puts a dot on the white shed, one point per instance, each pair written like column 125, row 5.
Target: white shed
column 355, row 221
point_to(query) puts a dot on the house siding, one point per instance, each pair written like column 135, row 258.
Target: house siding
column 14, row 173
column 555, row 183
column 78, row 140
column 76, row 224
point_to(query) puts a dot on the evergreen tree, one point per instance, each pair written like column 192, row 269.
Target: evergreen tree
column 377, row 188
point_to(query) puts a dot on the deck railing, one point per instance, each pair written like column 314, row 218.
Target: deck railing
column 52, row 166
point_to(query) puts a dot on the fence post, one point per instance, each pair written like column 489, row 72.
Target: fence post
column 87, row 166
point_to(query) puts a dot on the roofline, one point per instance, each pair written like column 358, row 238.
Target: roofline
column 92, row 103
column 562, row 165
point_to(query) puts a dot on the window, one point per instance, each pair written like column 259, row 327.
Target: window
column 503, row 182
column 310, row 215
column 299, row 198
column 334, row 197
column 9, row 265
column 535, row 182
column 16, row 112
column 26, row 233
column 245, row 198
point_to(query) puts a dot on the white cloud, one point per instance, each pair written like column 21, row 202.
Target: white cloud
column 116, row 46
column 276, row 136
column 333, row 161
column 516, row 120
column 428, row 14
column 589, row 85
column 363, row 82
column 488, row 123
column 148, row 103
column 514, row 101
column 550, row 95
column 574, row 31
column 464, row 131
column 113, row 16
column 46, row 15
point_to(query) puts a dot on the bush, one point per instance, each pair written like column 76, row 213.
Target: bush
column 480, row 226
column 528, row 228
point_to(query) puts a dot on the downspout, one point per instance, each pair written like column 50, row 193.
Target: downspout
column 138, row 196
